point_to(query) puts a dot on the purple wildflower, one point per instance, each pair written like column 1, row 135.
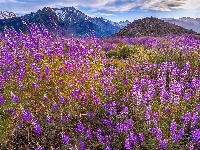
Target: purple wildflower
column 59, row 81
column 148, row 114
column 159, row 134
column 196, row 135
column 37, row 129
column 133, row 138
column 45, row 97
column 55, row 106
column 154, row 131
column 2, row 101
column 90, row 115
column 141, row 137
column 64, row 118
column 108, row 148
column 195, row 118
column 89, row 134
column 62, row 99
column 10, row 111
column 80, row 126
column 155, row 118
column 57, row 90
column 60, row 69
column 39, row 148
column 49, row 118
column 15, row 97
column 173, row 128
column 163, row 144
column 127, row 144
column 65, row 137
column 186, row 118
column 26, row 114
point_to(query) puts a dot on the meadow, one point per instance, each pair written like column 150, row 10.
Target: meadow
column 88, row 93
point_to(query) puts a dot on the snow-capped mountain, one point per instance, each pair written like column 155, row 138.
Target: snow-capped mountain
column 7, row 15
column 71, row 20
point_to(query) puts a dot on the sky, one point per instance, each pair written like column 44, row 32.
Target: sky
column 114, row 10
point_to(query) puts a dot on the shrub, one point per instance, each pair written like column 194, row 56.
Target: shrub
column 112, row 53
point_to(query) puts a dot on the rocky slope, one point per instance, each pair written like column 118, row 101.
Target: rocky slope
column 151, row 26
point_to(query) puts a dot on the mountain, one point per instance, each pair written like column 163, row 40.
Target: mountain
column 187, row 22
column 69, row 19
column 6, row 15
column 151, row 26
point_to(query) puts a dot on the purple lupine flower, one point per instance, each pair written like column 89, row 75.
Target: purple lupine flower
column 127, row 144
column 90, row 115
column 65, row 138
column 186, row 118
column 141, row 137
column 181, row 132
column 59, row 81
column 39, row 148
column 34, row 86
column 155, row 118
column 148, row 114
column 10, row 111
column 159, row 134
column 82, row 146
column 50, row 88
column 26, row 114
column 49, row 118
column 73, row 94
column 166, row 111
column 89, row 134
column 15, row 97
column 96, row 100
column 163, row 144
column 195, row 118
column 20, row 85
column 108, row 148
column 98, row 132
column 2, row 101
column 37, row 129
column 154, row 131
column 195, row 135
column 57, row 90
column 47, row 71
column 133, row 138
column 173, row 128
column 45, row 97
column 64, row 118
column 80, row 126
column 62, row 99
column 123, row 99
column 106, row 122
column 55, row 106
column 60, row 70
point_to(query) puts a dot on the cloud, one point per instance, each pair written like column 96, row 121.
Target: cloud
column 191, row 4
column 99, row 14
column 163, row 5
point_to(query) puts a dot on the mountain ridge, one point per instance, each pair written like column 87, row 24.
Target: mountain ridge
column 71, row 20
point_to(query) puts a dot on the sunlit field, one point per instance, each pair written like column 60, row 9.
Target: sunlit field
column 89, row 94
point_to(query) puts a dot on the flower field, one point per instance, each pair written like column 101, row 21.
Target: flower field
column 88, row 93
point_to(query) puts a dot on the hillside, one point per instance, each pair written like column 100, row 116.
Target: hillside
column 151, row 26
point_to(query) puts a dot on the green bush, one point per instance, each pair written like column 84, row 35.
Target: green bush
column 112, row 53
column 126, row 51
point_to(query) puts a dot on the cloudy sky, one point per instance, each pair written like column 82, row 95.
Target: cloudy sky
column 115, row 10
